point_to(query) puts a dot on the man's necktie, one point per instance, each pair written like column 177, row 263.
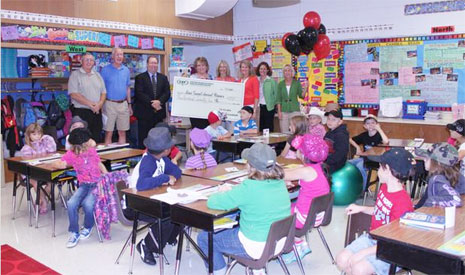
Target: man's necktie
column 154, row 85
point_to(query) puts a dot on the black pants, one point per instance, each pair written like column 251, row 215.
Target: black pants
column 93, row 120
column 144, row 127
column 199, row 123
column 266, row 118
column 169, row 230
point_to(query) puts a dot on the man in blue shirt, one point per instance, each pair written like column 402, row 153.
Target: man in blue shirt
column 117, row 108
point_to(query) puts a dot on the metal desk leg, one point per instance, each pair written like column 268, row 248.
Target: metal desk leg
column 210, row 252
column 392, row 269
column 134, row 237
column 15, row 186
column 29, row 205
column 179, row 251
column 52, row 204
column 160, row 248
column 37, row 203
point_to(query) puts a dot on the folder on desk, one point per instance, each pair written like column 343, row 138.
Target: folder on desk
column 455, row 246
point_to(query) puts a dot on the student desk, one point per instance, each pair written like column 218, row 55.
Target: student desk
column 109, row 157
column 236, row 144
column 141, row 202
column 187, row 129
column 414, row 248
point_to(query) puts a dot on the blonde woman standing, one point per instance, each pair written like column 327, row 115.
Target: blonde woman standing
column 223, row 72
column 289, row 90
column 252, row 85
column 201, row 72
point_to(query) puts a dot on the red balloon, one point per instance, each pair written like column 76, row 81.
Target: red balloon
column 312, row 19
column 322, row 47
column 283, row 40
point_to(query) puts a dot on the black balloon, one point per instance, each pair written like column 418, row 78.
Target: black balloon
column 293, row 45
column 322, row 29
column 307, row 38
column 306, row 51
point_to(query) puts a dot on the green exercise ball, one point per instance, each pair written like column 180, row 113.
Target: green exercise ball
column 347, row 184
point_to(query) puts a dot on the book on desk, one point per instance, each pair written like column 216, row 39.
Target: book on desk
column 455, row 246
column 423, row 220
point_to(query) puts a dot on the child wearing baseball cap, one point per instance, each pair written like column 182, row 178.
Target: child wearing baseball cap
column 262, row 200
column 457, row 132
column 215, row 129
column 246, row 125
column 444, row 186
column 396, row 165
column 200, row 141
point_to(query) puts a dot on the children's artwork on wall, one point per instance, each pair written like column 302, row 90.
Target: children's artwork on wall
column 52, row 36
column 322, row 75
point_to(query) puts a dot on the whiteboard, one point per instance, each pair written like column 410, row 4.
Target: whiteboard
column 197, row 97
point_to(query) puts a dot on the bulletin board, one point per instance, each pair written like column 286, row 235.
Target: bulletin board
column 428, row 68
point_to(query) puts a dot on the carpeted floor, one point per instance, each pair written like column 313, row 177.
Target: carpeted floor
column 15, row 262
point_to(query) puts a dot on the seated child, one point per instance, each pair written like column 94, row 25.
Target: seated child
column 298, row 127
column 262, row 200
column 315, row 122
column 246, row 125
column 175, row 154
column 441, row 161
column 373, row 136
column 200, row 140
column 76, row 122
column 457, row 132
column 339, row 139
column 37, row 143
column 217, row 131
column 392, row 201
column 86, row 162
column 153, row 170
column 313, row 181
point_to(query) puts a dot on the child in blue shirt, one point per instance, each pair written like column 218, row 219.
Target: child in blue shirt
column 216, row 131
column 246, row 125
column 154, row 170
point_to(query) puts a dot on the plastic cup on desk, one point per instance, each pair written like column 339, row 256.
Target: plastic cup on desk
column 450, row 216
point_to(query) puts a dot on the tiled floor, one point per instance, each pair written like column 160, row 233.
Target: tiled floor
column 92, row 257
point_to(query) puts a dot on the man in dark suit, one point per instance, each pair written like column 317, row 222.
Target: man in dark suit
column 152, row 91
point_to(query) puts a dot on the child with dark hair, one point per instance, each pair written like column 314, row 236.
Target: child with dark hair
column 338, row 136
column 246, row 125
column 154, row 170
column 298, row 127
column 359, row 257
column 444, row 187
column 200, row 141
column 457, row 132
column 262, row 200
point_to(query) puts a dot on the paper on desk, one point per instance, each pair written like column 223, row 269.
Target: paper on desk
column 391, row 107
column 231, row 169
column 186, row 195
column 229, row 176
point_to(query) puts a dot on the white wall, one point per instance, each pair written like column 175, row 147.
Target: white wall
column 213, row 53
column 249, row 20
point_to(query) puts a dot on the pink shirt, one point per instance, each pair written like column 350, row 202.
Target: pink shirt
column 85, row 164
column 309, row 190
column 196, row 162
column 45, row 145
column 317, row 130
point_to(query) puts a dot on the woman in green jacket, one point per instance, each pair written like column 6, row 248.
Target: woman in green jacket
column 289, row 90
column 267, row 100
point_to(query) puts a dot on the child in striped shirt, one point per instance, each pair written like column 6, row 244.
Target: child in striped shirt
column 200, row 140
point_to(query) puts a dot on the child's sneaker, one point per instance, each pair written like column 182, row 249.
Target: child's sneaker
column 85, row 233
column 303, row 249
column 289, row 258
column 73, row 239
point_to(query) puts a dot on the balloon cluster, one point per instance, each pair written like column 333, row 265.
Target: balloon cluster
column 312, row 38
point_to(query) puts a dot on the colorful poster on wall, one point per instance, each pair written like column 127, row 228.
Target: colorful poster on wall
column 322, row 77
column 280, row 56
column 242, row 52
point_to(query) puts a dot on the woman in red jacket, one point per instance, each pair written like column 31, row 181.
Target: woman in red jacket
column 252, row 86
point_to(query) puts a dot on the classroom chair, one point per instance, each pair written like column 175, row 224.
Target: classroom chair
column 284, row 228
column 358, row 224
column 371, row 167
column 18, row 181
column 120, row 185
column 319, row 214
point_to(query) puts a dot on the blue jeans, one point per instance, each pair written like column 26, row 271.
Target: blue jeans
column 82, row 197
column 359, row 163
column 226, row 241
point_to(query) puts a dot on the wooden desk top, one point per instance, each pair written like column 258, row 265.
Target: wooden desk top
column 181, row 126
column 395, row 142
column 124, row 153
column 430, row 239
column 252, row 138
column 34, row 157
